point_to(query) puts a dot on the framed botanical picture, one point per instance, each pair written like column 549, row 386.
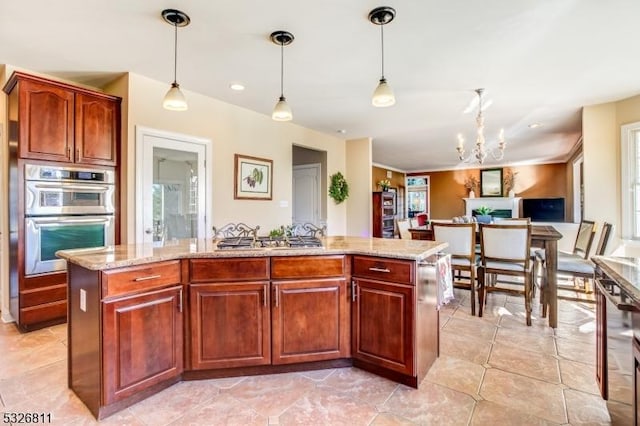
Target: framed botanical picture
column 253, row 178
column 491, row 183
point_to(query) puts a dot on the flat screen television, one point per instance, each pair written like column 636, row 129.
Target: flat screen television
column 543, row 209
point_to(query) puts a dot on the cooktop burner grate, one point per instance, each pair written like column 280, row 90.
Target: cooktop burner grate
column 263, row 242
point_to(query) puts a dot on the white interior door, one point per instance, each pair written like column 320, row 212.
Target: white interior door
column 306, row 194
column 172, row 186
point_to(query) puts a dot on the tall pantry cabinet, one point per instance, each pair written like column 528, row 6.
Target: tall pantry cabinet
column 55, row 124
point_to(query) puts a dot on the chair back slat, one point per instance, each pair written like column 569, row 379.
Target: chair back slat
column 505, row 243
column 584, row 239
column 460, row 237
column 403, row 229
column 604, row 239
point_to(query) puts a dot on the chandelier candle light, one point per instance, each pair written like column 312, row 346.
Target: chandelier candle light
column 282, row 110
column 174, row 100
column 480, row 151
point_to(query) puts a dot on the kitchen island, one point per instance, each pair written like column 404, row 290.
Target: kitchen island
column 143, row 317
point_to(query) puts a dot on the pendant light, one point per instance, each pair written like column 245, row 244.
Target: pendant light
column 174, row 100
column 383, row 95
column 282, row 110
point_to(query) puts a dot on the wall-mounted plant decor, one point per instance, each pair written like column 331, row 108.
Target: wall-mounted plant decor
column 339, row 188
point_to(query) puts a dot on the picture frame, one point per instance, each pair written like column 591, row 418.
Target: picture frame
column 491, row 183
column 253, row 178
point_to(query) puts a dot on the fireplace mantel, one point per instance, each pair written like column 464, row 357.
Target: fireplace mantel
column 496, row 203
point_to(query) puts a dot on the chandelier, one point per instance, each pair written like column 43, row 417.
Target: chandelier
column 480, row 151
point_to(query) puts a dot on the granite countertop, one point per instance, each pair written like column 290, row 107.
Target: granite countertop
column 623, row 270
column 138, row 254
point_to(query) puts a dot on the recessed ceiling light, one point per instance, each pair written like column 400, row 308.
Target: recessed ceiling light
column 534, row 125
column 341, row 131
column 237, row 87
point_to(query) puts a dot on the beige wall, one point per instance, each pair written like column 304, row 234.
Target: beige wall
column 358, row 175
column 601, row 144
column 232, row 130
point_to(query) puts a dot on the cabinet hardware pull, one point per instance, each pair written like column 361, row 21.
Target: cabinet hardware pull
column 180, row 301
column 150, row 277
column 69, row 153
column 77, row 154
column 353, row 291
column 275, row 293
column 380, row 269
column 264, row 295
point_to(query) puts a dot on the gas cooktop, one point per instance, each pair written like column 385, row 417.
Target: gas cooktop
column 265, row 242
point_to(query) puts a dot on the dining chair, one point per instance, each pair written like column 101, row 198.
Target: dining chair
column 505, row 250
column 461, row 238
column 575, row 267
column 403, row 229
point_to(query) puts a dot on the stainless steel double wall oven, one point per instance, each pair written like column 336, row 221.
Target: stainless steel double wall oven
column 65, row 208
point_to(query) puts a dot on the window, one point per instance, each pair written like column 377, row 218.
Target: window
column 417, row 195
column 630, row 185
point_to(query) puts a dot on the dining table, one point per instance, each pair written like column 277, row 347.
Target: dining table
column 543, row 236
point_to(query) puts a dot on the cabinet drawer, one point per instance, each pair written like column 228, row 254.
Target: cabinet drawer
column 40, row 296
column 384, row 269
column 233, row 269
column 307, row 267
column 140, row 278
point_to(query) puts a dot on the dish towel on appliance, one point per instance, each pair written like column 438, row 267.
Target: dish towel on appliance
column 444, row 280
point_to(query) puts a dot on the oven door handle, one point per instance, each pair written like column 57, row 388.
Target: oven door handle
column 73, row 187
column 616, row 300
column 70, row 221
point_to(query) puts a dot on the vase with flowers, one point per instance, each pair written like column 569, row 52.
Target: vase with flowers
column 471, row 183
column 384, row 184
column 509, row 182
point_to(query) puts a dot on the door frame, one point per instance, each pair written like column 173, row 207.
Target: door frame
column 318, row 168
column 577, row 190
column 180, row 139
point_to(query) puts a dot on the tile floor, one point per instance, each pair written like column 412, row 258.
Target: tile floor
column 492, row 371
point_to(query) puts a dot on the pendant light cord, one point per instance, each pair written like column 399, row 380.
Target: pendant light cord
column 281, row 67
column 175, row 53
column 382, row 45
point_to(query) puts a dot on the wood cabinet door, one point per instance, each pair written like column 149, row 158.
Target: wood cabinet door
column 142, row 342
column 45, row 121
column 383, row 325
column 97, row 128
column 230, row 325
column 310, row 320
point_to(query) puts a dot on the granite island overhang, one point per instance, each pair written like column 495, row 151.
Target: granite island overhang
column 143, row 317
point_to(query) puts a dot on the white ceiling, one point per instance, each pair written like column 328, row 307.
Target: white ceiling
column 539, row 61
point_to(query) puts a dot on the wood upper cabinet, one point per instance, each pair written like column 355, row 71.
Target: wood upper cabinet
column 46, row 121
column 230, row 325
column 143, row 342
column 310, row 320
column 64, row 123
column 96, row 128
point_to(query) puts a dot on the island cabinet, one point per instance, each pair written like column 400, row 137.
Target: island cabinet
column 247, row 312
column 230, row 314
column 395, row 320
column 64, row 123
column 310, row 309
column 125, row 333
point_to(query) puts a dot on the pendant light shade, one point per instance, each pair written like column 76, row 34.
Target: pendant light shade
column 383, row 95
column 282, row 110
column 174, row 100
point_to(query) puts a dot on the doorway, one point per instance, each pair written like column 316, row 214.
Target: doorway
column 172, row 198
column 309, row 186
